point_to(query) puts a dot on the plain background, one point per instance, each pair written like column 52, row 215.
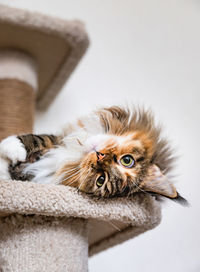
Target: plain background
column 145, row 52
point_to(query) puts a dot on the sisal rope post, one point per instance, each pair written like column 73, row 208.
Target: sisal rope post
column 17, row 107
column 18, row 83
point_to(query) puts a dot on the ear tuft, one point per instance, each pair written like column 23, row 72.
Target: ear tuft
column 157, row 183
column 181, row 200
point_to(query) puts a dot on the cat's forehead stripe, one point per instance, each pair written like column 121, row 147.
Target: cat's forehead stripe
column 122, row 143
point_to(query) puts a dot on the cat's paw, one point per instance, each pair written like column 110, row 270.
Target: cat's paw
column 11, row 148
column 4, row 169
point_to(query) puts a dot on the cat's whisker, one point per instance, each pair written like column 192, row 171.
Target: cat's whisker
column 83, row 180
column 71, row 176
column 72, row 170
column 73, row 180
column 82, row 183
column 69, row 183
column 78, row 178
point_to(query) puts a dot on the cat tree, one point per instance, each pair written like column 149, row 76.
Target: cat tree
column 51, row 227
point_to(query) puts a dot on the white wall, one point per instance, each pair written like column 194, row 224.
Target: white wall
column 145, row 52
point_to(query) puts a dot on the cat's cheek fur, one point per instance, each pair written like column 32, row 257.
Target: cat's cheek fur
column 12, row 149
column 45, row 169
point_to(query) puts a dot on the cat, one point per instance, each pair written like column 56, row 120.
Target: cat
column 112, row 152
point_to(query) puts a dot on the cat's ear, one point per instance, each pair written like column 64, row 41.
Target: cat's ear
column 158, row 183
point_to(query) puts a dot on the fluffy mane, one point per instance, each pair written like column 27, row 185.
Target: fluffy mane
column 117, row 120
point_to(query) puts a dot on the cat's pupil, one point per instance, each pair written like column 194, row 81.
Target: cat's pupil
column 126, row 159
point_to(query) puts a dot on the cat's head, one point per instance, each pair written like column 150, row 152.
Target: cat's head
column 128, row 157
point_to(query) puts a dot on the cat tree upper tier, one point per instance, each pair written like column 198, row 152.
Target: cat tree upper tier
column 111, row 221
column 56, row 45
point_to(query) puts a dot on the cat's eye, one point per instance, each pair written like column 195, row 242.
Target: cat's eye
column 127, row 161
column 100, row 180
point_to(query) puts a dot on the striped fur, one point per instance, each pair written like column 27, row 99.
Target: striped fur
column 36, row 146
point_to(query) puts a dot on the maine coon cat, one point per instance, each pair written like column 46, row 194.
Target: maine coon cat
column 111, row 152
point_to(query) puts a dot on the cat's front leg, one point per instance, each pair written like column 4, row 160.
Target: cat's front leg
column 4, row 169
column 12, row 151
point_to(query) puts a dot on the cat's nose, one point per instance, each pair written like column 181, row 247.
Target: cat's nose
column 100, row 156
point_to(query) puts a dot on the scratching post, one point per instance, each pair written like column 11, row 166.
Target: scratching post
column 52, row 227
column 18, row 84
column 40, row 243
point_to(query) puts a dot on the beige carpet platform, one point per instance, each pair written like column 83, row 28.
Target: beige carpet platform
column 111, row 221
column 56, row 45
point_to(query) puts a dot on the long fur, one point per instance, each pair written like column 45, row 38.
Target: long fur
column 90, row 150
column 108, row 121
